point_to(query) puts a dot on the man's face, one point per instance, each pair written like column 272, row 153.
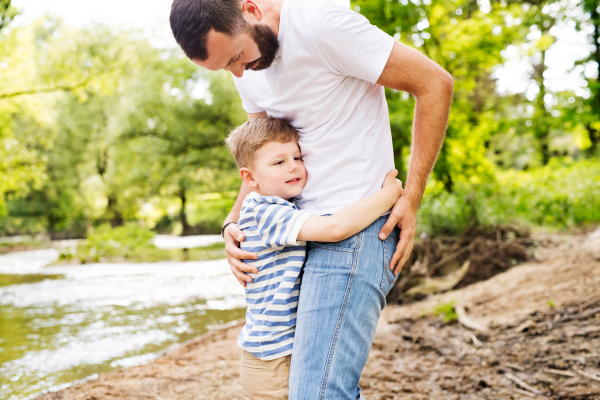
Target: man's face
column 254, row 49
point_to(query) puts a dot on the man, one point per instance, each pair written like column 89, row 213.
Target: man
column 322, row 68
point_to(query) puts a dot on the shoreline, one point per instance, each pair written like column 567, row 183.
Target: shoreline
column 420, row 357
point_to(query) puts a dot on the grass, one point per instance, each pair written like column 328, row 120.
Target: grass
column 446, row 311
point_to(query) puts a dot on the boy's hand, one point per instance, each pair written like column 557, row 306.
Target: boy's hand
column 390, row 180
column 233, row 236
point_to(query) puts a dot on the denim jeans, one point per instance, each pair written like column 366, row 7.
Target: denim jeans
column 342, row 294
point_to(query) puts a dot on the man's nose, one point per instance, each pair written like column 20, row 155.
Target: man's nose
column 237, row 71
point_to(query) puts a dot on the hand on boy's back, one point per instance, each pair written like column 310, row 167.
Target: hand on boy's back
column 233, row 236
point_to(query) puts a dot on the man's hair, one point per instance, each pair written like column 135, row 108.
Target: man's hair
column 191, row 20
column 245, row 140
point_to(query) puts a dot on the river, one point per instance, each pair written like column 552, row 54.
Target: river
column 63, row 324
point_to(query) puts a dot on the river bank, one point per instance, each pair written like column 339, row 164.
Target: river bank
column 60, row 323
column 536, row 335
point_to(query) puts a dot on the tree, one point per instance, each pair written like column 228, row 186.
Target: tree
column 7, row 13
column 468, row 47
column 592, row 120
column 185, row 140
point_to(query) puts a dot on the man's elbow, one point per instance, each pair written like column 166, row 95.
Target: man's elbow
column 446, row 83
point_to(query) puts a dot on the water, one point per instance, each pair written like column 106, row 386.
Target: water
column 62, row 324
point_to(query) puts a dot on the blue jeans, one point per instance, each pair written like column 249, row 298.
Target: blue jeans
column 342, row 294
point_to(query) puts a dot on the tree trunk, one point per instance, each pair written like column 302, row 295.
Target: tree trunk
column 593, row 133
column 186, row 228
column 541, row 115
column 442, row 168
column 114, row 215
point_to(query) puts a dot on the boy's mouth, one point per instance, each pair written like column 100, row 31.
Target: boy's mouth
column 295, row 180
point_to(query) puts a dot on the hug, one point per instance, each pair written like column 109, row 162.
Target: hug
column 321, row 227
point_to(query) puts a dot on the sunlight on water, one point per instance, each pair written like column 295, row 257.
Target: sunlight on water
column 61, row 324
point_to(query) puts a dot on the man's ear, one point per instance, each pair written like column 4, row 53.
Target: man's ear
column 252, row 12
column 247, row 177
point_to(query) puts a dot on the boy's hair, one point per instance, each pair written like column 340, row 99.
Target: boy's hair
column 245, row 140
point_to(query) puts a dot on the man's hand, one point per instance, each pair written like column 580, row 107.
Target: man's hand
column 404, row 214
column 233, row 236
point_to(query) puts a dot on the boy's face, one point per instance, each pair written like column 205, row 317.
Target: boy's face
column 278, row 170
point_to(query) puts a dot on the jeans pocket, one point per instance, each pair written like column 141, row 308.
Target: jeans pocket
column 345, row 246
column 330, row 246
column 388, row 279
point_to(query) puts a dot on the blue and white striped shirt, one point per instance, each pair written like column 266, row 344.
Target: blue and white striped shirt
column 271, row 225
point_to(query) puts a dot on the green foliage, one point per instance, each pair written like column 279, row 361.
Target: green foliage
column 447, row 312
column 97, row 126
column 560, row 195
column 133, row 124
column 7, row 12
column 208, row 215
column 551, row 304
column 134, row 243
column 104, row 242
column 464, row 41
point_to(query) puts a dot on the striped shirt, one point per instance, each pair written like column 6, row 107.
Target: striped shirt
column 271, row 225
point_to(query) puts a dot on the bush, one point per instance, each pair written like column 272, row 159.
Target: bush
column 559, row 195
column 105, row 242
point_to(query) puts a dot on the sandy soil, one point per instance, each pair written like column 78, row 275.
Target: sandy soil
column 538, row 336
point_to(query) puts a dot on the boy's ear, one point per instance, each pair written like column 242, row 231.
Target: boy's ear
column 247, row 177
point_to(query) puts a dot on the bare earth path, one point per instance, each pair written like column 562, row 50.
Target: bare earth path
column 527, row 350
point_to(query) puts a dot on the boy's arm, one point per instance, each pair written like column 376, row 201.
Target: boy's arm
column 353, row 218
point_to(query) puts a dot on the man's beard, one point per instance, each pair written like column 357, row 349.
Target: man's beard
column 266, row 41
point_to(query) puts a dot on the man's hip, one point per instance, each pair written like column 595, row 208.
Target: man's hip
column 342, row 294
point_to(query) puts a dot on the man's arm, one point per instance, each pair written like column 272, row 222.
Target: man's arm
column 411, row 71
column 355, row 217
column 234, row 235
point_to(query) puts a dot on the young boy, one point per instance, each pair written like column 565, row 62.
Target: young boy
column 270, row 162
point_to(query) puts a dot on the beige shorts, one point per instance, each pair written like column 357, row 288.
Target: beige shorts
column 265, row 380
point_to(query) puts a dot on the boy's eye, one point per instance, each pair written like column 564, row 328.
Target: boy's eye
column 278, row 162
column 298, row 158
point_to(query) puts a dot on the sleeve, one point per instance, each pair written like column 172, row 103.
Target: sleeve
column 350, row 44
column 247, row 103
column 279, row 225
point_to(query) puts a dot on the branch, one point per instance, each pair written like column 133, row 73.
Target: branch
column 176, row 150
column 45, row 90
column 468, row 322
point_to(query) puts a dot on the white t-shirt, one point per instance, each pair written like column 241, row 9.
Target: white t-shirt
column 323, row 83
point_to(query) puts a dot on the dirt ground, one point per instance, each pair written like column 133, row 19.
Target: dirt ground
column 534, row 333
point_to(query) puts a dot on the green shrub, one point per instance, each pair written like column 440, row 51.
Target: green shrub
column 559, row 195
column 105, row 242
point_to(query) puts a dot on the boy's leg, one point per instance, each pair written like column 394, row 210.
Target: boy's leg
column 341, row 297
column 265, row 380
